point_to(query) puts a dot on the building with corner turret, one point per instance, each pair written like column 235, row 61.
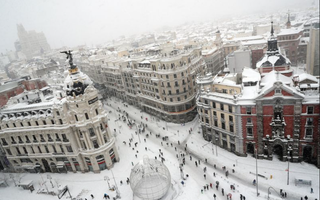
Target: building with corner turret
column 46, row 130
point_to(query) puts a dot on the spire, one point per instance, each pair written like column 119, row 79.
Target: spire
column 272, row 28
column 288, row 24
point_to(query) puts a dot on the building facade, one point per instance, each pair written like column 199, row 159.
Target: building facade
column 31, row 42
column 267, row 111
column 162, row 86
column 42, row 131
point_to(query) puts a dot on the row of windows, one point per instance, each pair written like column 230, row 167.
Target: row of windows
column 44, row 122
column 24, row 150
column 35, row 139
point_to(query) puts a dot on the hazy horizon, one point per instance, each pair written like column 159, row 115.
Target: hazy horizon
column 72, row 23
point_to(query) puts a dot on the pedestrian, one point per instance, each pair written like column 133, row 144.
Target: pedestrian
column 204, row 169
column 128, row 180
column 201, row 191
column 207, row 187
column 285, row 194
column 222, row 191
column 145, row 140
column 195, row 162
column 210, row 185
column 214, row 174
column 132, row 163
column 217, row 186
column 306, row 197
column 206, row 160
column 121, row 182
column 92, row 196
column 199, row 161
column 244, row 198
column 241, row 197
column 178, row 142
column 254, row 183
column 146, row 148
column 204, row 175
column 214, row 196
column 311, row 190
column 136, row 156
column 190, row 157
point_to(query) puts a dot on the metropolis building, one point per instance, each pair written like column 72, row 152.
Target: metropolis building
column 67, row 130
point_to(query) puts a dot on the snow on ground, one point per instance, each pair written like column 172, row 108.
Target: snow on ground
column 82, row 185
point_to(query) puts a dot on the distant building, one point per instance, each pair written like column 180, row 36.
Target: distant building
column 31, row 42
column 313, row 66
column 239, row 59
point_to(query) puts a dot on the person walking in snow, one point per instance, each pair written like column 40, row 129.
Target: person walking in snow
column 222, row 191
column 214, row 196
column 195, row 162
column 92, row 196
column 205, row 176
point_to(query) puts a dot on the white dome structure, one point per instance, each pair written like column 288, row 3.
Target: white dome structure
column 150, row 179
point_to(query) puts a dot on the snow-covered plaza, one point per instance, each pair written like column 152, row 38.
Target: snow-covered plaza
column 182, row 139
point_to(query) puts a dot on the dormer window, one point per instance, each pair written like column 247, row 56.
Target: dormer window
column 277, row 91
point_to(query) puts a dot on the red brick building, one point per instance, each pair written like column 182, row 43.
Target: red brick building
column 14, row 88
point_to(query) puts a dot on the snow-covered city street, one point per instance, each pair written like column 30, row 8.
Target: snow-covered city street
column 205, row 166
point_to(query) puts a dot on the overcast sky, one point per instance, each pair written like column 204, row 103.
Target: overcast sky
column 76, row 22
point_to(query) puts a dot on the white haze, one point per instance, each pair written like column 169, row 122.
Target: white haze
column 91, row 22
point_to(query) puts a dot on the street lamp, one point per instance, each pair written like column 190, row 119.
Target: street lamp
column 217, row 146
column 288, row 158
column 117, row 190
column 257, row 172
column 106, row 178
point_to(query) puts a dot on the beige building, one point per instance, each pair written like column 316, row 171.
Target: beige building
column 163, row 86
column 42, row 131
column 217, row 108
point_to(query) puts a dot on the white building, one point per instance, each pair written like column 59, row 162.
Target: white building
column 239, row 59
column 43, row 132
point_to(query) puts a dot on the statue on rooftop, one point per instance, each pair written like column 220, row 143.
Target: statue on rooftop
column 69, row 56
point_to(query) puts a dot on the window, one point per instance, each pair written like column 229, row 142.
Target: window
column 91, row 132
column 58, row 113
column 87, row 116
column 52, row 122
column 171, row 100
column 174, row 75
column 248, row 109
column 309, row 133
column 54, row 149
column 310, row 110
column 29, row 123
column 61, row 148
column 97, row 112
column 230, row 118
column 230, row 109
column 278, row 91
column 60, row 120
column 14, row 124
column 222, row 116
column 46, row 147
column 215, row 122
column 9, row 152
column 49, row 137
column 39, row 149
column 249, row 121
column 64, row 138
column 231, row 128
column 21, row 124
column 221, row 106
column 213, row 104
column 309, row 122
column 76, row 117
column 215, row 113
column 95, row 144
column 249, row 131
column 37, row 123
column 69, row 148
column 223, row 125
column 178, row 98
column 44, row 122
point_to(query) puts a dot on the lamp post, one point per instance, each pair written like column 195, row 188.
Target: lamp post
column 288, row 158
column 117, row 190
column 217, row 146
column 106, row 178
column 257, row 172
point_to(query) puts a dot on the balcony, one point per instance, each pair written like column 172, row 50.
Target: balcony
column 58, row 140
column 50, row 140
column 28, row 141
column 65, row 140
column 4, row 144
column 42, row 140
column 20, row 142
column 13, row 142
column 35, row 141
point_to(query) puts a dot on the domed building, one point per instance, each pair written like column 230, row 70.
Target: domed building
column 58, row 131
column 150, row 180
